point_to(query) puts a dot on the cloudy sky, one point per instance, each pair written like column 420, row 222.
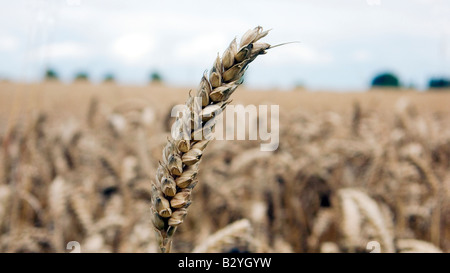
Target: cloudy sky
column 342, row 44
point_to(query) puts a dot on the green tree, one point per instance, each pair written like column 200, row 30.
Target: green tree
column 440, row 83
column 155, row 77
column 109, row 78
column 82, row 76
column 385, row 80
column 51, row 74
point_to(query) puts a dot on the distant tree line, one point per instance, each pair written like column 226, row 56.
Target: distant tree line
column 382, row 80
column 390, row 80
column 52, row 75
column 109, row 78
column 439, row 83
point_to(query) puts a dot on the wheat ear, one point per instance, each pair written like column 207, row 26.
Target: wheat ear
column 176, row 174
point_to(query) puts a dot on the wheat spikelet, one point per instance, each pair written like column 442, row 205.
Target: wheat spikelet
column 230, row 236
column 176, row 174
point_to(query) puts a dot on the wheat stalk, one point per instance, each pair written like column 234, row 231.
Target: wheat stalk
column 176, row 174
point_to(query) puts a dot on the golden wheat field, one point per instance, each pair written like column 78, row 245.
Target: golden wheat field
column 354, row 172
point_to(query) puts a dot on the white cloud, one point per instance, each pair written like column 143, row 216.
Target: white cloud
column 8, row 43
column 298, row 53
column 361, row 56
column 201, row 47
column 131, row 48
column 65, row 50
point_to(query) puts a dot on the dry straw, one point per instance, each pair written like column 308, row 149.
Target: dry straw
column 176, row 174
